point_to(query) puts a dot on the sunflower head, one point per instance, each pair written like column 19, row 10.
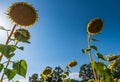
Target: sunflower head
column 47, row 71
column 22, row 13
column 72, row 63
column 95, row 26
column 22, row 35
column 111, row 58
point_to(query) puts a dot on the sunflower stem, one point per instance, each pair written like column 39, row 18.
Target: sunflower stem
column 8, row 62
column 91, row 59
column 8, row 40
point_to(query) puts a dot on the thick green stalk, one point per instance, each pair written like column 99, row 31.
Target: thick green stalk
column 91, row 59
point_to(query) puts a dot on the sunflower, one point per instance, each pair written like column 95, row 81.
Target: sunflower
column 111, row 58
column 22, row 13
column 72, row 63
column 22, row 35
column 95, row 26
column 47, row 71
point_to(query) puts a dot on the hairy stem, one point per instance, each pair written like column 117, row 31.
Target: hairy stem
column 91, row 59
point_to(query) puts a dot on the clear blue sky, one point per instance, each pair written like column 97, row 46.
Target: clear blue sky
column 60, row 33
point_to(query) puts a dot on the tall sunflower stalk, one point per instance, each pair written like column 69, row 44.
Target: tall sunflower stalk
column 94, row 27
column 21, row 14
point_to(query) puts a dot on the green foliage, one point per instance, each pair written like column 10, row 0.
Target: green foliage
column 102, row 71
column 86, row 72
column 68, row 80
column 21, row 47
column 93, row 47
column 64, row 76
column 99, row 67
column 85, row 50
column 10, row 73
column 100, row 56
column 57, row 75
column 7, row 50
column 1, row 67
column 20, row 67
column 93, row 39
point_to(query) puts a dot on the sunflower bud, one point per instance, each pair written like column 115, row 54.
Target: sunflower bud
column 72, row 63
column 22, row 35
column 47, row 71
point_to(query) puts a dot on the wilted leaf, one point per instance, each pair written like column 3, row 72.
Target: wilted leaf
column 2, row 28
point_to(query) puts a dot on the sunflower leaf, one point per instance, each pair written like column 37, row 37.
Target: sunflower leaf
column 20, row 67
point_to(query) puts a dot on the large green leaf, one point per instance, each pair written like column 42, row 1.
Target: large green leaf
column 7, row 50
column 1, row 67
column 99, row 67
column 10, row 73
column 107, row 75
column 20, row 67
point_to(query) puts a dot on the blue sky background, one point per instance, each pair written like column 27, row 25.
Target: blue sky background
column 60, row 33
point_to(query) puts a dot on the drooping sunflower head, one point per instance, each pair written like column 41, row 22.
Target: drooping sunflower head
column 95, row 26
column 111, row 58
column 47, row 71
column 72, row 63
column 22, row 13
column 22, row 35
